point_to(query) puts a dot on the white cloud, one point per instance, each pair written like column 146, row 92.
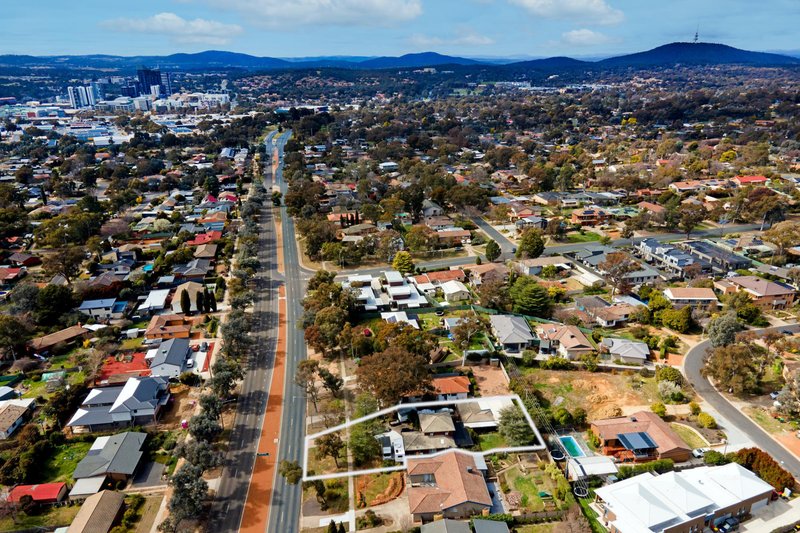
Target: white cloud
column 594, row 11
column 179, row 29
column 465, row 38
column 585, row 37
column 284, row 14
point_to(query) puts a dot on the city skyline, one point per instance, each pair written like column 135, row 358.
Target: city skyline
column 472, row 28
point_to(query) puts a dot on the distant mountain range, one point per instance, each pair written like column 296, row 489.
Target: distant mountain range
column 666, row 55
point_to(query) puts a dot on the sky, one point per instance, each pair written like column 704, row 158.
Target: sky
column 470, row 28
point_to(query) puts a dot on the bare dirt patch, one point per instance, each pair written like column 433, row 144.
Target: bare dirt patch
column 491, row 380
column 600, row 394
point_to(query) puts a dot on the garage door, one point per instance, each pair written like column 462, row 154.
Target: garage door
column 759, row 504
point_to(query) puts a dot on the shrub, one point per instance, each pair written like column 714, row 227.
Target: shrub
column 556, row 363
column 668, row 373
column 765, row 467
column 670, row 391
column 660, row 466
column 715, row 458
column 593, row 439
column 694, row 408
column 705, row 420
column 659, row 408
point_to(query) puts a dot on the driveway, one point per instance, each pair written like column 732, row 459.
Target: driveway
column 693, row 364
column 149, row 476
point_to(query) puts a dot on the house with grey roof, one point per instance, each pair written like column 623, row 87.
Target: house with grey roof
column 138, row 402
column 626, row 350
column 512, row 332
column 112, row 456
column 445, row 526
column 169, row 359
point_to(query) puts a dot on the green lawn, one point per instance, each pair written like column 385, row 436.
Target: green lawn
column 763, row 419
column 693, row 440
column 62, row 463
column 49, row 517
column 35, row 388
column 541, row 528
column 588, row 512
column 529, row 490
column 583, row 237
column 492, row 440
column 132, row 344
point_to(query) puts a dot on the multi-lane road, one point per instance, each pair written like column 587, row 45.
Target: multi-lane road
column 286, row 499
column 693, row 365
column 233, row 487
column 229, row 505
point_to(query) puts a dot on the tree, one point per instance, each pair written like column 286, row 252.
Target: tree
column 65, row 261
column 331, row 381
column 14, row 335
column 53, row 301
column 531, row 244
column 393, row 374
column 530, row 298
column 723, row 328
column 189, row 490
column 403, row 262
column 306, row 378
column 211, row 405
column 200, row 302
column 493, row 251
column 783, row 235
column 24, row 297
column 514, row 427
column 204, row 427
column 200, row 453
column 363, row 445
column 186, row 303
column 224, row 375
column 291, row 471
column 330, row 445
column 737, row 368
column 467, row 327
column 616, row 267
column 493, row 293
column 679, row 320
column 690, row 216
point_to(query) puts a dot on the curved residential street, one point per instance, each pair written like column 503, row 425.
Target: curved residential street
column 693, row 364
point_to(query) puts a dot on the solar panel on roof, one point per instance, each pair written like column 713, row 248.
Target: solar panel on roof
column 637, row 441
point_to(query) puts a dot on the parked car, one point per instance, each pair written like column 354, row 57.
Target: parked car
column 699, row 453
column 774, row 395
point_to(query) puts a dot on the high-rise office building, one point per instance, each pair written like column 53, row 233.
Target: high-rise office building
column 147, row 78
column 80, row 97
column 166, row 84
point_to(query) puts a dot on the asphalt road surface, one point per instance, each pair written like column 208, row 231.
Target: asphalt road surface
column 287, row 499
column 693, row 364
column 238, row 465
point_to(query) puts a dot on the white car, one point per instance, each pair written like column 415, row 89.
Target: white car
column 699, row 453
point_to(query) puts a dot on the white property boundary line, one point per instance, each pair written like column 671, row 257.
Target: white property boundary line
column 514, row 398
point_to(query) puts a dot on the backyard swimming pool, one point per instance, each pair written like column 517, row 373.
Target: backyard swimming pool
column 572, row 446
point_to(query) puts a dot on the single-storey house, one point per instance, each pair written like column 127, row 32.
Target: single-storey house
column 512, row 332
column 568, row 342
column 99, row 513
column 455, row 291
column 692, row 296
column 625, row 350
column 169, row 359
column 114, row 456
column 642, row 436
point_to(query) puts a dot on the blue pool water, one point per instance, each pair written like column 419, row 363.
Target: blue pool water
column 572, row 446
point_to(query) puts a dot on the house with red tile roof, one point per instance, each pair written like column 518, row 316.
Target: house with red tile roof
column 449, row 485
column 743, row 181
column 451, row 387
column 205, row 238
